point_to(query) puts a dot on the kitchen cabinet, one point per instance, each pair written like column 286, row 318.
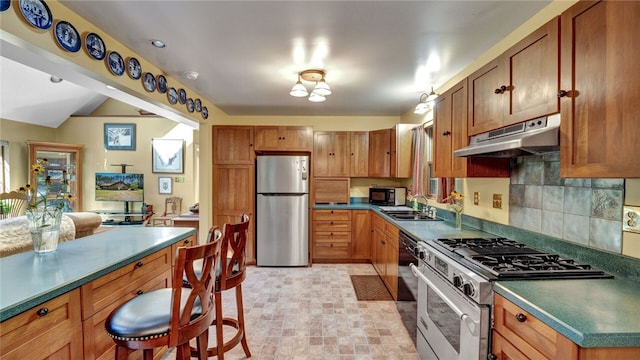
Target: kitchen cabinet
column 599, row 94
column 331, row 237
column 330, row 190
column 518, row 85
column 233, row 145
column 385, row 253
column 450, row 133
column 52, row 330
column 360, row 235
column 283, row 138
column 519, row 335
column 359, row 162
column 234, row 194
column 331, row 153
column 390, row 152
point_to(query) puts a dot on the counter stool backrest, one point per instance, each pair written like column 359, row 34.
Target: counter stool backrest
column 13, row 204
column 234, row 244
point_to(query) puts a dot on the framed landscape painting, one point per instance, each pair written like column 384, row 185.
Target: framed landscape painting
column 167, row 156
column 120, row 136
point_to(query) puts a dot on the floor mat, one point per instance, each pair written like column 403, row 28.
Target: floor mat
column 370, row 288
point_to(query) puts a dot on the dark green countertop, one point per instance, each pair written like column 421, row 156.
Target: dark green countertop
column 28, row 279
column 591, row 312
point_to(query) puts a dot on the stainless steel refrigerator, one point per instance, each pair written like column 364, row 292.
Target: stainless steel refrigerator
column 282, row 211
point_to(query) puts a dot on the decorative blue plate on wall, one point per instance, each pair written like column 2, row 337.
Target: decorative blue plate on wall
column 94, row 46
column 190, row 105
column 37, row 13
column 134, row 70
column 198, row 104
column 115, row 63
column 162, row 84
column 205, row 112
column 67, row 36
column 149, row 82
column 4, row 4
column 182, row 96
column 172, row 95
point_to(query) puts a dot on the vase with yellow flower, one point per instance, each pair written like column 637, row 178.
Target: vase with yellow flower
column 455, row 200
column 46, row 205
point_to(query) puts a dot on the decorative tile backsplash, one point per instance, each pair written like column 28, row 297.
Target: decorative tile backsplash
column 583, row 211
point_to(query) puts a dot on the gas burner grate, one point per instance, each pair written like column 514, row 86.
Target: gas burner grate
column 478, row 246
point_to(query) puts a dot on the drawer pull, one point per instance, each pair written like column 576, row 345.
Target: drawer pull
column 139, row 264
column 139, row 292
column 521, row 317
column 186, row 241
column 42, row 311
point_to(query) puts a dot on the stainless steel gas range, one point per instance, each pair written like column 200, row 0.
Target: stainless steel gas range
column 455, row 294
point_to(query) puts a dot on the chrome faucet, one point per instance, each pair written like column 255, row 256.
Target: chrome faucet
column 426, row 202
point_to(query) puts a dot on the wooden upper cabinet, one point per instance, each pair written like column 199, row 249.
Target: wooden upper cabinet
column 450, row 133
column 283, row 138
column 518, row 85
column 600, row 110
column 331, row 154
column 380, row 153
column 359, row 154
column 233, row 145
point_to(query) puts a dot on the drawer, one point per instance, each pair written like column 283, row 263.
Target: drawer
column 527, row 333
column 331, row 250
column 378, row 223
column 52, row 329
column 130, row 278
column 331, row 215
column 337, row 225
column 325, row 236
column 190, row 241
column 97, row 343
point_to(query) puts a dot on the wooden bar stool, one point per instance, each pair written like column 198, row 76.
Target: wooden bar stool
column 172, row 316
column 232, row 274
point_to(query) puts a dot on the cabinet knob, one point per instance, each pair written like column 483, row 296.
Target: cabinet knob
column 500, row 90
column 382, row 242
column 492, row 357
column 42, row 311
column 521, row 317
column 186, row 241
column 446, row 133
column 562, row 93
column 139, row 264
column 139, row 292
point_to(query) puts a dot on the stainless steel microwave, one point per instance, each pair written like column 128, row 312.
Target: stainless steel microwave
column 387, row 196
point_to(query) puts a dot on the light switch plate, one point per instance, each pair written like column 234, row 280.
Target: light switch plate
column 476, row 198
column 497, row 201
column 631, row 218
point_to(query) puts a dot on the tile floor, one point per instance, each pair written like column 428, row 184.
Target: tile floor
column 312, row 313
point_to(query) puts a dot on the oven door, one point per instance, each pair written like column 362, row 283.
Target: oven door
column 450, row 326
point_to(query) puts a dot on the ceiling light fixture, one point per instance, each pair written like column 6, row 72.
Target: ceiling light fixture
column 321, row 89
column 55, row 79
column 191, row 75
column 425, row 102
column 158, row 43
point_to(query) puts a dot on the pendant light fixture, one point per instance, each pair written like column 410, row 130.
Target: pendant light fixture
column 425, row 102
column 319, row 92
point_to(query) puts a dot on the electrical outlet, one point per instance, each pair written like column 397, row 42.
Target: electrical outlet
column 497, row 201
column 631, row 219
column 476, row 198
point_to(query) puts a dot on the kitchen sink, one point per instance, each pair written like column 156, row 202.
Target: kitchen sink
column 409, row 215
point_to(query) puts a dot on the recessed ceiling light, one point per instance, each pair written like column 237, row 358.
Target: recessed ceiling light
column 55, row 79
column 191, row 75
column 158, row 43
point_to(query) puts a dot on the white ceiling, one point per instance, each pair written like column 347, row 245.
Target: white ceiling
column 244, row 50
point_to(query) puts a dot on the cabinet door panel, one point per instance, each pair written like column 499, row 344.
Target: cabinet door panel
column 380, row 153
column 233, row 145
column 361, row 234
column 442, row 147
column 359, row 154
column 534, row 75
column 341, row 159
column 485, row 106
column 599, row 128
column 296, row 138
column 233, row 188
column 267, row 138
column 322, row 153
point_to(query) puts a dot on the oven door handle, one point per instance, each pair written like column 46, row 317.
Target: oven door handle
column 472, row 325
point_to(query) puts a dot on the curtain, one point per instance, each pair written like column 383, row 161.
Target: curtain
column 445, row 186
column 418, row 156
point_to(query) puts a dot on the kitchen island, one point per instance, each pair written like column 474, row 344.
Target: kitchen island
column 59, row 300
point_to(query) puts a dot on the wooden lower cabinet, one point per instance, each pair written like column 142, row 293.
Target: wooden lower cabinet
column 385, row 252
column 331, row 238
column 52, row 330
column 361, row 234
column 519, row 335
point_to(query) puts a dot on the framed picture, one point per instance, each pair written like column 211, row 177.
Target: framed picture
column 167, row 156
column 120, row 136
column 165, row 185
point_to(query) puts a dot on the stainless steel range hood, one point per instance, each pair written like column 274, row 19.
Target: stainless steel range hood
column 531, row 137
